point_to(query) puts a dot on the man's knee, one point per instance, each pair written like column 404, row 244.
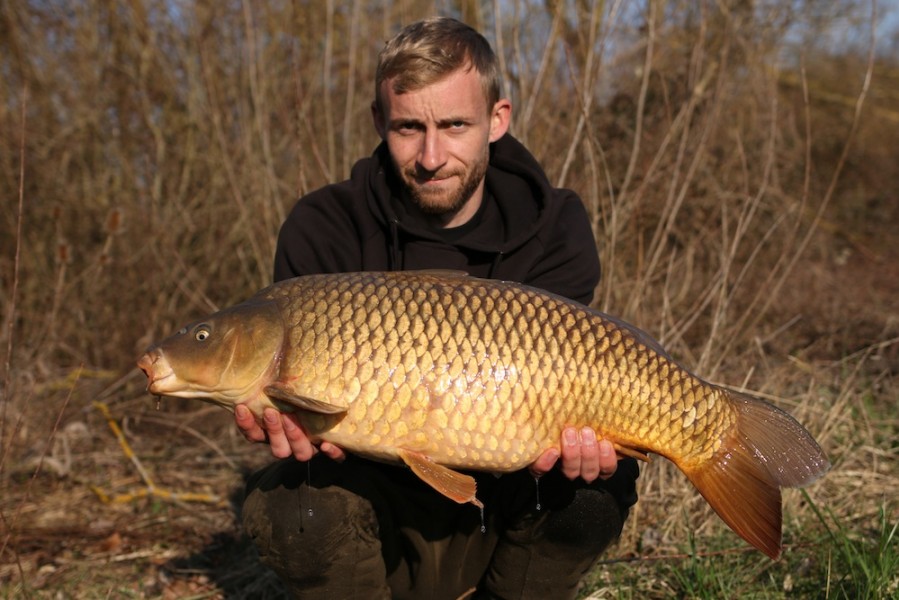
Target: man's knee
column 313, row 538
column 595, row 517
column 587, row 526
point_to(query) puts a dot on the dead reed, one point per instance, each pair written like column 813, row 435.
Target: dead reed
column 737, row 160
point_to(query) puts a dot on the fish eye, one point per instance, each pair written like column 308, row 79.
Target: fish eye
column 202, row 333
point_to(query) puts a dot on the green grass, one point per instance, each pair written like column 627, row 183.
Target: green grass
column 744, row 210
column 837, row 561
column 862, row 563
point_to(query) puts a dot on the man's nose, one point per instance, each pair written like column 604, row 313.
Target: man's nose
column 432, row 155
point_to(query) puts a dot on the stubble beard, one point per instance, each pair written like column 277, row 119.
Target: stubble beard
column 440, row 204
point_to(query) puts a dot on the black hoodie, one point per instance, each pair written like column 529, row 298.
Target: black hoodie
column 526, row 230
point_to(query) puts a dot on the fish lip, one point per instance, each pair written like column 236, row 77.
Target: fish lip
column 155, row 379
column 157, row 369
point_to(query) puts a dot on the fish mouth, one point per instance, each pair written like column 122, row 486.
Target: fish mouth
column 155, row 385
column 157, row 369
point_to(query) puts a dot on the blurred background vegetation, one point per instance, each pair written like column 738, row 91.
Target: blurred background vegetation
column 737, row 158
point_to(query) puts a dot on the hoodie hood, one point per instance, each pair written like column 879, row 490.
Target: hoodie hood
column 516, row 199
column 526, row 231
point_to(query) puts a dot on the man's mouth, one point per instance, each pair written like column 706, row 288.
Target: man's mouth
column 421, row 178
column 434, row 185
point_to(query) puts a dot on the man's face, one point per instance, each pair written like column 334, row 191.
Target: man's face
column 439, row 139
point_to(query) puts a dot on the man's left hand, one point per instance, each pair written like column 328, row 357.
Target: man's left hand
column 582, row 456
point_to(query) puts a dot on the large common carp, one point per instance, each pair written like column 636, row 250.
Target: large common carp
column 442, row 371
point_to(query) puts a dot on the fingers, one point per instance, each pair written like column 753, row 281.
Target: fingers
column 247, row 424
column 586, row 457
column 286, row 437
column 543, row 464
column 283, row 433
column 608, row 459
column 277, row 439
column 333, row 452
column 571, row 453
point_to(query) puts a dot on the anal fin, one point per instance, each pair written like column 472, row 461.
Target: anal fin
column 452, row 484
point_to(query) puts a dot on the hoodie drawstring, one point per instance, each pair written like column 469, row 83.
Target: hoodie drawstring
column 394, row 257
column 495, row 264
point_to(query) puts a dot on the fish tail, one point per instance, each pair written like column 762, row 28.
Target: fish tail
column 766, row 450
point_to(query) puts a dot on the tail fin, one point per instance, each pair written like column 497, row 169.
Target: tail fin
column 766, row 450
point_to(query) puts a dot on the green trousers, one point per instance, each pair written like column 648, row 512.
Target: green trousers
column 362, row 529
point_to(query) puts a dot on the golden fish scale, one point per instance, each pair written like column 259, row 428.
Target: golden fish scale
column 478, row 374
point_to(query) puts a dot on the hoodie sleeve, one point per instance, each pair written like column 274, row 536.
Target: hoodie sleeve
column 570, row 262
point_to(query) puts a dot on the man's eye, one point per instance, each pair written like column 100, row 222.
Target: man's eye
column 457, row 126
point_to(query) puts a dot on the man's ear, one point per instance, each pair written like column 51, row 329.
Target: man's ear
column 378, row 120
column 500, row 118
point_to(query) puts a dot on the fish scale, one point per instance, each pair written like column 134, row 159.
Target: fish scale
column 442, row 371
column 534, row 340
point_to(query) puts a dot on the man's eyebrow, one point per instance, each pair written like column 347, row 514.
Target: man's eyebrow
column 440, row 123
column 456, row 119
column 404, row 121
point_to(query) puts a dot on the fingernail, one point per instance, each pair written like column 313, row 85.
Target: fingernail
column 571, row 436
column 241, row 411
column 271, row 416
column 288, row 424
column 606, row 449
column 588, row 436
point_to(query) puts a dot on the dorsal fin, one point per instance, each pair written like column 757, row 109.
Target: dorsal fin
column 447, row 273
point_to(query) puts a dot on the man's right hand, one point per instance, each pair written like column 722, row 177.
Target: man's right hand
column 284, row 434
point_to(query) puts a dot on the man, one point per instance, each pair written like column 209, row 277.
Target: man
column 447, row 188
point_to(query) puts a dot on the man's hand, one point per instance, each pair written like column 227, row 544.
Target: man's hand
column 582, row 456
column 283, row 433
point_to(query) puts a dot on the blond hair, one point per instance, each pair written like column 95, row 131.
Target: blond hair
column 429, row 50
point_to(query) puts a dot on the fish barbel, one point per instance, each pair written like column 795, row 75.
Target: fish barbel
column 442, row 371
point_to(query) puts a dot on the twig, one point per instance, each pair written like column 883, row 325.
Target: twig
column 773, row 290
column 105, row 559
column 347, row 129
column 151, row 490
column 5, row 444
column 327, row 61
column 641, row 101
column 11, row 315
column 10, row 524
column 182, row 427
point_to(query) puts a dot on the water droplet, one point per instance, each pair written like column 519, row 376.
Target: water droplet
column 309, row 485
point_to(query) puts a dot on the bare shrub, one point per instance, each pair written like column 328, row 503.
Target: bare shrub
column 737, row 160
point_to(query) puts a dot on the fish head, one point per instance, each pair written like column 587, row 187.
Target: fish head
column 226, row 358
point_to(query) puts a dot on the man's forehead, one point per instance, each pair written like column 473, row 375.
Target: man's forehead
column 457, row 93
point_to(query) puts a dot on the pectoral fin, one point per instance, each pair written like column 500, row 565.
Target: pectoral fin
column 288, row 395
column 452, row 484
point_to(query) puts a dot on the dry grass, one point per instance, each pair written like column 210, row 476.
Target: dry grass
column 739, row 170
